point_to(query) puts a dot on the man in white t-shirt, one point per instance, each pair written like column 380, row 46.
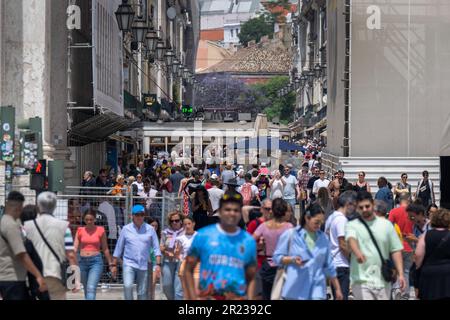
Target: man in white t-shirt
column 335, row 229
column 320, row 183
column 215, row 193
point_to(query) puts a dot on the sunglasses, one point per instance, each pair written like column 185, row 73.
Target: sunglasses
column 267, row 208
column 236, row 196
column 175, row 221
column 364, row 207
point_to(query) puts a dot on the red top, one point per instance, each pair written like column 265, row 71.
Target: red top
column 251, row 228
column 401, row 218
column 208, row 185
column 92, row 240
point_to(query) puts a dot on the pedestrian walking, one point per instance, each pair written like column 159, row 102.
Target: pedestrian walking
column 305, row 253
column 14, row 259
column 425, row 190
column 431, row 209
column 402, row 187
column 266, row 236
column 375, row 251
column 53, row 241
column 90, row 242
column 400, row 217
column 227, row 256
column 183, row 244
column 325, row 201
column 362, row 185
column 155, row 270
column 303, row 180
column 322, row 182
column 433, row 259
column 171, row 283
column 277, row 184
column 248, row 190
column 335, row 229
column 201, row 208
column 384, row 193
column 133, row 247
column 291, row 191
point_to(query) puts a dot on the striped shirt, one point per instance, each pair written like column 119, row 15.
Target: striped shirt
column 303, row 179
column 68, row 240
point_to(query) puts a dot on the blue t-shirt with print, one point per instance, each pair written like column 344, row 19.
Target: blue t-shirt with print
column 224, row 259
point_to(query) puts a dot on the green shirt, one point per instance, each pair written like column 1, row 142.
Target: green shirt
column 369, row 272
column 310, row 239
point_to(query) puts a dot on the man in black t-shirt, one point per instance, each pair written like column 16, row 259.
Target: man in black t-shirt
column 311, row 181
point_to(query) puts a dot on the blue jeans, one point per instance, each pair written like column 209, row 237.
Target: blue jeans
column 132, row 275
column 171, row 282
column 91, row 269
column 407, row 264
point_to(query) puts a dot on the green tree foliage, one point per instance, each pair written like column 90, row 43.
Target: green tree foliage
column 256, row 28
column 271, row 104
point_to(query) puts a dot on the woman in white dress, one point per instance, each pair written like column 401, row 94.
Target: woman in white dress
column 276, row 185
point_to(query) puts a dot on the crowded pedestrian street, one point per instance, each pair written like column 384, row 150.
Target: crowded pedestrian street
column 228, row 150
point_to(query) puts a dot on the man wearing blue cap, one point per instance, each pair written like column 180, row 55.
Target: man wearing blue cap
column 133, row 247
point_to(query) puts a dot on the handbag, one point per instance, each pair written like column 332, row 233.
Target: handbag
column 388, row 270
column 280, row 277
column 64, row 265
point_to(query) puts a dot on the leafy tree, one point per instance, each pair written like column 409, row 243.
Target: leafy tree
column 256, row 28
column 282, row 107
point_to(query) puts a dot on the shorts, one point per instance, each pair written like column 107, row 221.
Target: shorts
column 196, row 270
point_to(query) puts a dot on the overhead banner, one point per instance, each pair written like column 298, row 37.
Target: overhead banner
column 107, row 58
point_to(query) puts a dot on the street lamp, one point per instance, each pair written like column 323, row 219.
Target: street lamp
column 151, row 40
column 297, row 83
column 139, row 31
column 125, row 16
column 303, row 80
column 318, row 71
column 160, row 47
column 185, row 73
column 180, row 70
column 175, row 66
column 169, row 57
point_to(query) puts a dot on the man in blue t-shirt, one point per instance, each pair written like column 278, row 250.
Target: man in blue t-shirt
column 227, row 257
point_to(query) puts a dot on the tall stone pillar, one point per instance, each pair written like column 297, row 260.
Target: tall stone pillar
column 33, row 49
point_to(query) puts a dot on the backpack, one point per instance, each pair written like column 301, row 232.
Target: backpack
column 246, row 192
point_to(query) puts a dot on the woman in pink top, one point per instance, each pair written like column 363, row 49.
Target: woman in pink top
column 267, row 235
column 90, row 241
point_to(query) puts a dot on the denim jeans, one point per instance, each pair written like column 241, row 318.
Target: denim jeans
column 132, row 275
column 171, row 282
column 91, row 269
column 343, row 276
column 407, row 264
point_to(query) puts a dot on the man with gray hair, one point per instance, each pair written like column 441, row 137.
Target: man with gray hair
column 380, row 208
column 54, row 243
column 335, row 229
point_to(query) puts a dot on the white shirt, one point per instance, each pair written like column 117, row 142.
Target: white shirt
column 140, row 186
column 185, row 242
column 335, row 228
column 149, row 196
column 320, row 184
column 277, row 190
column 215, row 194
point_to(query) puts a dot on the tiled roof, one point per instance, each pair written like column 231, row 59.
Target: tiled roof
column 266, row 57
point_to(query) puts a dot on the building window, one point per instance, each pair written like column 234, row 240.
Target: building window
column 232, row 33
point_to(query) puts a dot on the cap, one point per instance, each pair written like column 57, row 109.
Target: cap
column 263, row 164
column 214, row 176
column 137, row 209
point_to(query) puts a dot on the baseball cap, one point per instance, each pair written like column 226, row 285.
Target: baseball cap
column 214, row 177
column 137, row 209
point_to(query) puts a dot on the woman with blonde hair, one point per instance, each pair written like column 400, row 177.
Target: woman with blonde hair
column 118, row 189
column 276, row 185
column 172, row 287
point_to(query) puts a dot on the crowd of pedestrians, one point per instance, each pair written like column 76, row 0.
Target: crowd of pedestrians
column 240, row 233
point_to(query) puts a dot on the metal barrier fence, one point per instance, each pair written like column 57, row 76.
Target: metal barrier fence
column 112, row 213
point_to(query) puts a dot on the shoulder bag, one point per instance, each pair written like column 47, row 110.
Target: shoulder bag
column 388, row 270
column 63, row 263
column 280, row 277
